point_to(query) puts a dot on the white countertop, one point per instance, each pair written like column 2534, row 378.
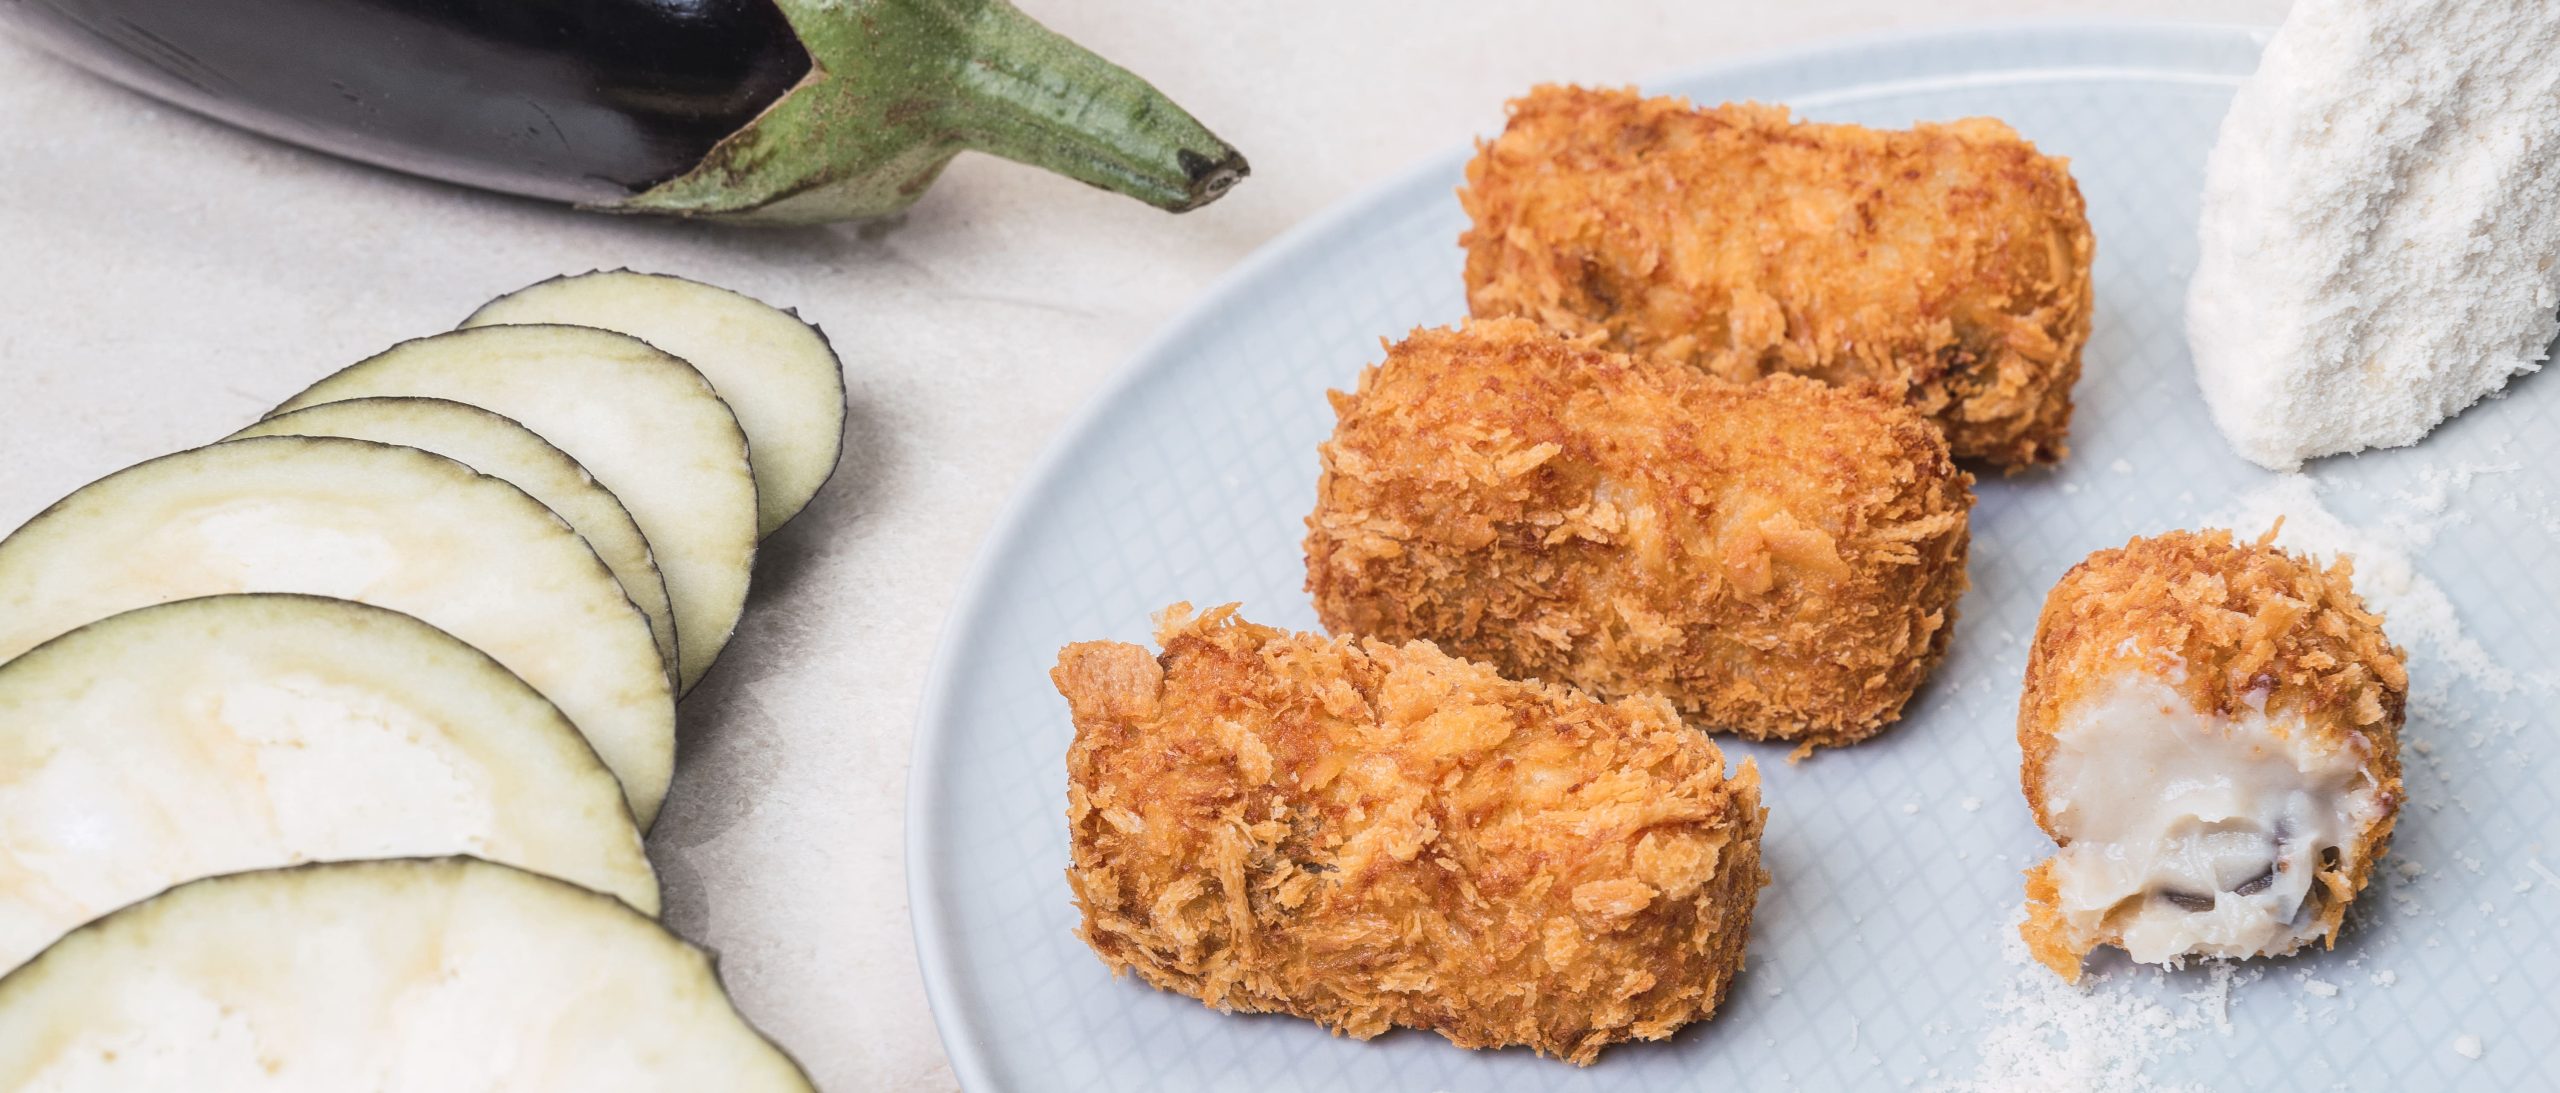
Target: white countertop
column 168, row 280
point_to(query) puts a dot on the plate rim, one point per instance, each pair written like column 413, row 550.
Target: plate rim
column 936, row 952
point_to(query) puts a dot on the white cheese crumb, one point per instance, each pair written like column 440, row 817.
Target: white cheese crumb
column 2371, row 264
column 2321, row 987
column 1971, row 804
column 2121, row 467
column 2467, row 1046
column 1910, row 810
column 2385, row 977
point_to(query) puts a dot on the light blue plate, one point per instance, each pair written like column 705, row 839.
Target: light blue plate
column 1876, row 956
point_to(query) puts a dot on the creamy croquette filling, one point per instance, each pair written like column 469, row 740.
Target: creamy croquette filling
column 2191, row 833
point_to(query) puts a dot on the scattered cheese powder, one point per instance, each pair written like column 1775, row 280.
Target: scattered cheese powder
column 2379, row 222
column 2097, row 1037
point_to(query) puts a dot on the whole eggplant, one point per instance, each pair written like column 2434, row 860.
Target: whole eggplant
column 776, row 110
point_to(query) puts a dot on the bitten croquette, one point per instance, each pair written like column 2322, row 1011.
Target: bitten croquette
column 2210, row 729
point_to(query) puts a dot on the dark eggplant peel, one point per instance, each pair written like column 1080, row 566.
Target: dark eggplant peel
column 789, row 111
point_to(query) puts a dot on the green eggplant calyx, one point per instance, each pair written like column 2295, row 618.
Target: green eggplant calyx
column 896, row 88
column 1031, row 96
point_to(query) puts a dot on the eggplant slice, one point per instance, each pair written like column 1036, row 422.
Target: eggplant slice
column 644, row 423
column 402, row 976
column 500, row 448
column 390, row 526
column 776, row 372
column 241, row 732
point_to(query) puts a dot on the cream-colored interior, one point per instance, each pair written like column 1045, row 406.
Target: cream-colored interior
column 2194, row 834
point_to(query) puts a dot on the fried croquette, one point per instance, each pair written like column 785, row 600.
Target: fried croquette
column 2211, row 731
column 1370, row 835
column 1949, row 263
column 1781, row 560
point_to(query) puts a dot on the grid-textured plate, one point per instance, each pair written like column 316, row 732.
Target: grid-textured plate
column 1876, row 957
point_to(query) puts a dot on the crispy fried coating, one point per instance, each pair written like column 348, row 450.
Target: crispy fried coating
column 1949, row 263
column 1370, row 835
column 1781, row 560
column 2236, row 628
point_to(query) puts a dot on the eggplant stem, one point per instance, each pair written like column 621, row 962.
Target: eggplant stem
column 1029, row 94
column 897, row 87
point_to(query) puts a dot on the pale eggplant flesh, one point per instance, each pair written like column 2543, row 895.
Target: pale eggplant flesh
column 776, row 372
column 394, row 527
column 233, row 732
column 405, row 975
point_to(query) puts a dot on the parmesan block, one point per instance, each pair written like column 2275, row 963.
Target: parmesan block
column 2380, row 221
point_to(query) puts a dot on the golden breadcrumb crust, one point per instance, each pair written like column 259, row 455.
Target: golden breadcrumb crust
column 1949, row 263
column 2233, row 619
column 1781, row 560
column 1369, row 835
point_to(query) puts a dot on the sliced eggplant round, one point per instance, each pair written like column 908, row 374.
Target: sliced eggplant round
column 240, row 732
column 402, row 976
column 644, row 423
column 390, row 526
column 775, row 371
column 500, row 448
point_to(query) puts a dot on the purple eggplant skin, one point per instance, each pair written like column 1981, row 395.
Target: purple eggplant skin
column 583, row 101
column 751, row 111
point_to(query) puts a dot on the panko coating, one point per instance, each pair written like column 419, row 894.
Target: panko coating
column 1370, row 835
column 1781, row 560
column 2211, row 731
column 1948, row 263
